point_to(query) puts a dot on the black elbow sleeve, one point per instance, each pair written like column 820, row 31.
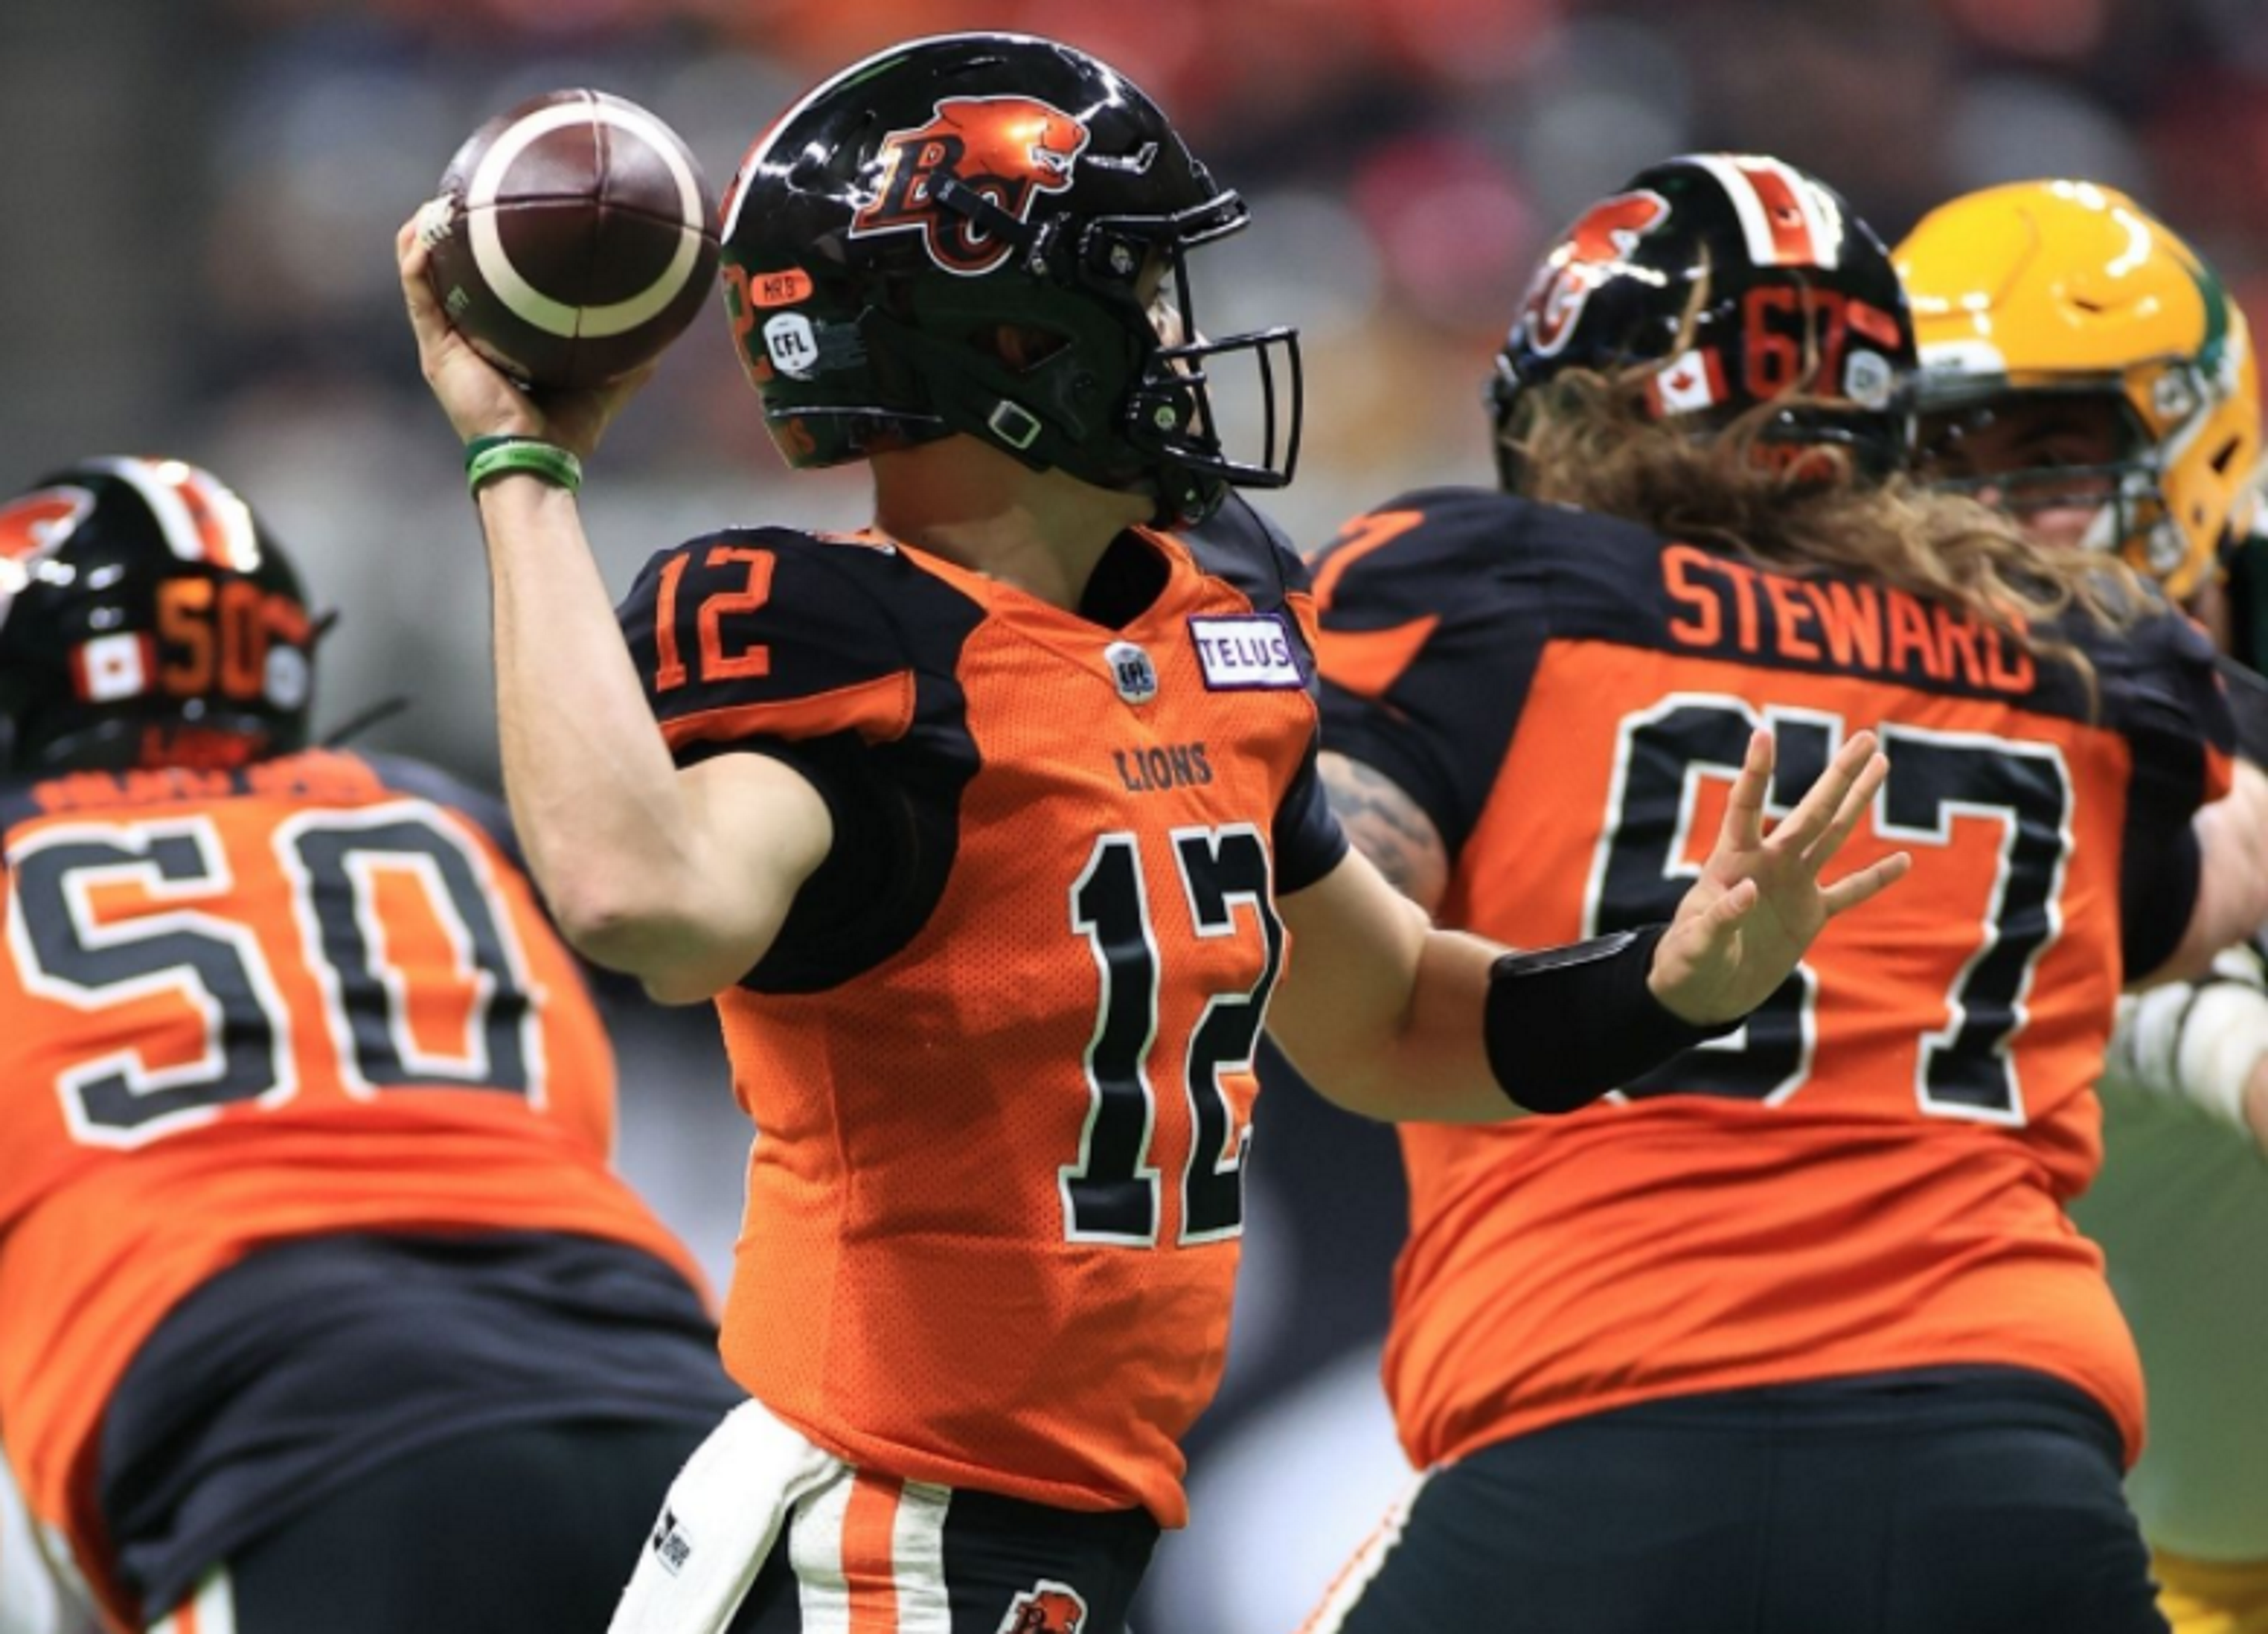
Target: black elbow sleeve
column 1566, row 1024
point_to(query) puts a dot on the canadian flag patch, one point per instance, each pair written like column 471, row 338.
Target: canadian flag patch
column 111, row 667
column 1690, row 381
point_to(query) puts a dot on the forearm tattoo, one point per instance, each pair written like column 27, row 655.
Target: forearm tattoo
column 1388, row 827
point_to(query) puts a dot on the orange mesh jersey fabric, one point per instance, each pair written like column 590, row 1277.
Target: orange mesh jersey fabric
column 251, row 1006
column 1870, row 1175
column 1003, row 1078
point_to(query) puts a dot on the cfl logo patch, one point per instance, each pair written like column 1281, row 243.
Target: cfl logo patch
column 672, row 1547
column 1131, row 672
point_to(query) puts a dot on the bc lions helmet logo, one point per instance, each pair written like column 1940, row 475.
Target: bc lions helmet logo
column 1008, row 150
column 31, row 530
column 1048, row 1607
column 1580, row 262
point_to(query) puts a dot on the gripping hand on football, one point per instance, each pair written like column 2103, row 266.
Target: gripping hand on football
column 481, row 400
column 1759, row 903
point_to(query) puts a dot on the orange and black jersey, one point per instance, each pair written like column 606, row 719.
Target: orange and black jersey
column 1568, row 697
column 308, row 998
column 999, row 1058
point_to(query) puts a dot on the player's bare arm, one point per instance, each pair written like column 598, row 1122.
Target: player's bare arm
column 2232, row 886
column 1388, row 1020
column 1388, row 827
column 679, row 878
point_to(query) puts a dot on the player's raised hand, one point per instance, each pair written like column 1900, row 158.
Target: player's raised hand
column 1759, row 903
column 479, row 399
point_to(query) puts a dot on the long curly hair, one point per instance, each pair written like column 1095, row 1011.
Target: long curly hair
column 1588, row 440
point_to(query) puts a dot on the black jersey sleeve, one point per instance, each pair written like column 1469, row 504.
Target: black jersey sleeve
column 2169, row 701
column 1241, row 548
column 1308, row 840
column 773, row 642
column 1433, row 616
column 765, row 636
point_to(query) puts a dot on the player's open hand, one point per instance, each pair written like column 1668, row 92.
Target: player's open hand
column 481, row 400
column 1759, row 903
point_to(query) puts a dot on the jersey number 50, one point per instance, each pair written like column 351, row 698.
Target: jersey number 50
column 334, row 861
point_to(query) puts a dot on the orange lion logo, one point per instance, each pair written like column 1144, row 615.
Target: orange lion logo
column 31, row 528
column 1048, row 1607
column 1580, row 262
column 1007, row 150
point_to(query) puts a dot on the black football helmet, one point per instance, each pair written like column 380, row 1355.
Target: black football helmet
column 146, row 619
column 1790, row 296
column 881, row 234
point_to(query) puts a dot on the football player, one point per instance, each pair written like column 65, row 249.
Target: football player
column 2084, row 367
column 1791, row 1333
column 323, row 1309
column 991, row 828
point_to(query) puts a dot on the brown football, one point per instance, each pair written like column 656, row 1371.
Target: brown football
column 573, row 240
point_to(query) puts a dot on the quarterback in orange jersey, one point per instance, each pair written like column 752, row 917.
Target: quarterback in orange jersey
column 1791, row 1333
column 319, row 1305
column 2084, row 367
column 994, row 829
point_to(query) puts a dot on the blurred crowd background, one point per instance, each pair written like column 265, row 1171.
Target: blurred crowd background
column 196, row 205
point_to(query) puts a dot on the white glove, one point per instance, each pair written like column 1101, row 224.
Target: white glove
column 2197, row 1043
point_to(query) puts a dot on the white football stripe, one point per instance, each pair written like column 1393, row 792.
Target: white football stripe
column 160, row 482
column 1733, row 173
column 814, row 1550
column 917, row 1557
column 523, row 299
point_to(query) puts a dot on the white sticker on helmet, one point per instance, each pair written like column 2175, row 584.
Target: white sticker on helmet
column 111, row 667
column 794, row 349
column 1867, row 378
column 286, row 682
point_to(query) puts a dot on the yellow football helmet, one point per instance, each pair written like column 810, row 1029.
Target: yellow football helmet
column 2071, row 289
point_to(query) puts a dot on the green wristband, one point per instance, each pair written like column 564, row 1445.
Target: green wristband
column 481, row 446
column 491, row 457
